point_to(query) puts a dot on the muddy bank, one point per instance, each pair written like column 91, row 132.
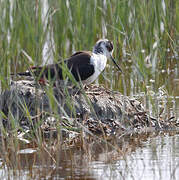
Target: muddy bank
column 97, row 109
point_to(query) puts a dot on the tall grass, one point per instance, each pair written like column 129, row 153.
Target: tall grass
column 138, row 30
column 144, row 34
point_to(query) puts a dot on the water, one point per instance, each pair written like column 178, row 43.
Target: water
column 157, row 158
column 148, row 156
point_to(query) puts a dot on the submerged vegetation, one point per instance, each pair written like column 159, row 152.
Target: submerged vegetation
column 145, row 35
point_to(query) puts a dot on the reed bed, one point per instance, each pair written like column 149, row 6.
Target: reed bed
column 145, row 36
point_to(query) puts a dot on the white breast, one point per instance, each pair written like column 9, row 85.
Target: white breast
column 99, row 62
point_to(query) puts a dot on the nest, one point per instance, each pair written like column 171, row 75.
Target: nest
column 94, row 108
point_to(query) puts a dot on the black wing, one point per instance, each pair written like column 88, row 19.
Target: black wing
column 79, row 65
column 83, row 72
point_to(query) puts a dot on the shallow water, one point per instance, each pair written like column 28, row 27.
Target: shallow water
column 158, row 158
column 148, row 156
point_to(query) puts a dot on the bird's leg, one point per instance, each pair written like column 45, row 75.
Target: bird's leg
column 42, row 81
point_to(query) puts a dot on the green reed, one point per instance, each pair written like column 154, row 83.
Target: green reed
column 133, row 26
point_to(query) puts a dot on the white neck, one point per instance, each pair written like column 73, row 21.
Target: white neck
column 99, row 61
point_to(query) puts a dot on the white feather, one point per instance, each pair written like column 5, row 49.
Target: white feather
column 99, row 61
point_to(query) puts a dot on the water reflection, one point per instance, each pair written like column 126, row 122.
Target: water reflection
column 149, row 156
column 157, row 159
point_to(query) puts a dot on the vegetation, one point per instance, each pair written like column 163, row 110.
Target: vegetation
column 145, row 36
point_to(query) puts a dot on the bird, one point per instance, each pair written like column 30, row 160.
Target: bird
column 85, row 66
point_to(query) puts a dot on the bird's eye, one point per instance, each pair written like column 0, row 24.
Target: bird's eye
column 99, row 43
column 109, row 46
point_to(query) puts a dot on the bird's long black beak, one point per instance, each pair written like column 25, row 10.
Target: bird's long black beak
column 116, row 64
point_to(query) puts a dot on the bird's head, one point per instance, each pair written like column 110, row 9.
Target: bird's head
column 105, row 47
